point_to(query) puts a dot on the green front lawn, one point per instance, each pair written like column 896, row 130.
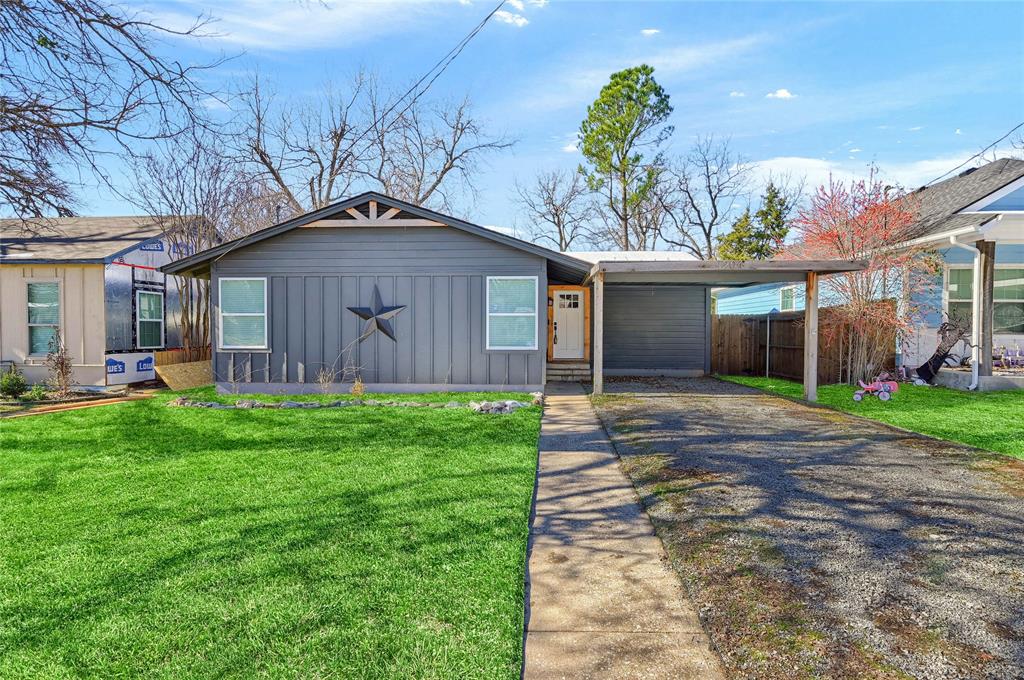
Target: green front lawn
column 988, row 420
column 145, row 540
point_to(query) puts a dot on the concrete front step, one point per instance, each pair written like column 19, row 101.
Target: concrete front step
column 568, row 372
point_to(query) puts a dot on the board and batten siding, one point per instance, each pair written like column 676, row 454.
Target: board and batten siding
column 655, row 328
column 315, row 274
column 81, row 319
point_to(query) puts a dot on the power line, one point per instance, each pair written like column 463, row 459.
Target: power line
column 440, row 67
column 1015, row 128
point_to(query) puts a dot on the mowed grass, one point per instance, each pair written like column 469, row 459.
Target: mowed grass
column 988, row 420
column 144, row 540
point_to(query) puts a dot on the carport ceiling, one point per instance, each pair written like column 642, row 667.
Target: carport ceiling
column 720, row 272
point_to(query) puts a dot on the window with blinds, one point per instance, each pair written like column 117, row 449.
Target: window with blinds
column 149, row 315
column 511, row 312
column 242, row 313
column 43, row 316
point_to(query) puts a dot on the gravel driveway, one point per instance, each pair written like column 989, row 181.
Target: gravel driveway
column 819, row 544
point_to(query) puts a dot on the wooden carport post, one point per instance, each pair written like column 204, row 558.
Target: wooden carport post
column 597, row 342
column 811, row 338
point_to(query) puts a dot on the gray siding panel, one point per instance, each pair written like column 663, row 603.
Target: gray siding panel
column 655, row 327
column 440, row 276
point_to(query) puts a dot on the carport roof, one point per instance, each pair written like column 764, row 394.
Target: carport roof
column 719, row 272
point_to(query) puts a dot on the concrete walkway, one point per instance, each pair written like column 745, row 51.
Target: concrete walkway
column 603, row 602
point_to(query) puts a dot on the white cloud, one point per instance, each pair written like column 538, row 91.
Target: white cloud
column 539, row 3
column 570, row 148
column 515, row 4
column 817, row 171
column 737, row 93
column 781, row 93
column 958, row 132
column 650, row 31
column 916, row 128
column 517, row 20
column 271, row 24
column 854, row 150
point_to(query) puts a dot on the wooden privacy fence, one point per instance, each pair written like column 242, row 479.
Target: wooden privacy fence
column 739, row 342
column 169, row 357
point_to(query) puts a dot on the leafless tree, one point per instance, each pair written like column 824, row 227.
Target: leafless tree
column 316, row 151
column 559, row 208
column 701, row 194
column 80, row 79
column 305, row 149
column 200, row 198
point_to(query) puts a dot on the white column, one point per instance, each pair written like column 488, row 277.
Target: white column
column 811, row 338
column 598, row 340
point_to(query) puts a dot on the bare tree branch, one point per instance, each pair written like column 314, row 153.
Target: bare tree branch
column 78, row 77
column 559, row 208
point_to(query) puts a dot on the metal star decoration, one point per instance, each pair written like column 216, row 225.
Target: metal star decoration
column 378, row 317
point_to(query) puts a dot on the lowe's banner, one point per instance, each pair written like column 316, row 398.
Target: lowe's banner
column 130, row 367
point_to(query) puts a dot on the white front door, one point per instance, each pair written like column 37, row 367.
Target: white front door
column 568, row 330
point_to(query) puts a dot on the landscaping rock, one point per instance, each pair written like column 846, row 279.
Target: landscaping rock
column 290, row 404
column 247, row 403
column 453, row 404
column 538, row 398
column 180, row 401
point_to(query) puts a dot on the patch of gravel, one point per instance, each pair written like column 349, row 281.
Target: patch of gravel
column 906, row 554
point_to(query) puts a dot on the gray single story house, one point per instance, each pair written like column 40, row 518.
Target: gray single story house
column 408, row 299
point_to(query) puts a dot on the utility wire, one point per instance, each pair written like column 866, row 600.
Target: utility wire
column 1015, row 128
column 440, row 67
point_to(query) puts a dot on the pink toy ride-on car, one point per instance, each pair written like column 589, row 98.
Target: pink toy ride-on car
column 881, row 387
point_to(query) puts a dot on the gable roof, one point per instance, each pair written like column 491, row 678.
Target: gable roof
column 77, row 240
column 564, row 265
column 939, row 205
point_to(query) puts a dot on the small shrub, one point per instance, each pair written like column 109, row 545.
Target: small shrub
column 358, row 389
column 12, row 383
column 58, row 361
column 37, row 393
column 324, row 379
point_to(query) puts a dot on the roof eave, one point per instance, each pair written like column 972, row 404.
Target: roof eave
column 195, row 262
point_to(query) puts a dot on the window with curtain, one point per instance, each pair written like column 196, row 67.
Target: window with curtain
column 149, row 313
column 43, row 315
column 243, row 313
column 1007, row 297
column 511, row 312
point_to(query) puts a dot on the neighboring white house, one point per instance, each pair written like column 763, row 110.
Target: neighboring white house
column 97, row 280
column 981, row 209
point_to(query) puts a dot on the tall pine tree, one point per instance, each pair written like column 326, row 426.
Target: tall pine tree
column 760, row 236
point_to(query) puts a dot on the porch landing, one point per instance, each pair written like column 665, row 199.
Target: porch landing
column 602, row 600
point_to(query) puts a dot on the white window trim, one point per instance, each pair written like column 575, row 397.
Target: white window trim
column 488, row 314
column 220, row 314
column 60, row 315
column 793, row 308
column 139, row 319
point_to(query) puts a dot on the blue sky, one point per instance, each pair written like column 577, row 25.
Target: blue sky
column 806, row 88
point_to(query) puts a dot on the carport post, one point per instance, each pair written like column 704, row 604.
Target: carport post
column 597, row 342
column 811, row 338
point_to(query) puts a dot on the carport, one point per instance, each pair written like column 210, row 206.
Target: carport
column 715, row 273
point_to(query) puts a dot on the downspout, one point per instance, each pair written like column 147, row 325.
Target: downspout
column 975, row 311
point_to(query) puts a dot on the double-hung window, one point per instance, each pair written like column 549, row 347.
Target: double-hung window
column 787, row 299
column 1007, row 297
column 149, row 319
column 243, row 313
column 511, row 312
column 43, row 316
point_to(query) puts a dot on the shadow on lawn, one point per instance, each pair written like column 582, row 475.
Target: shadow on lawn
column 289, row 520
column 892, row 538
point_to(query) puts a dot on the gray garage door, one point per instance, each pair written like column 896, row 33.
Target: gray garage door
column 655, row 327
